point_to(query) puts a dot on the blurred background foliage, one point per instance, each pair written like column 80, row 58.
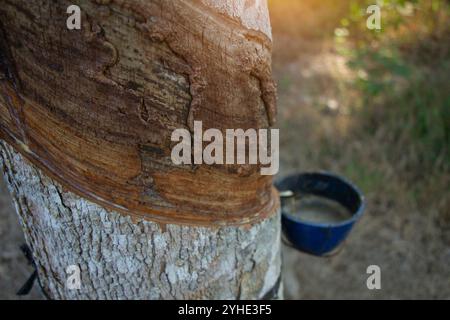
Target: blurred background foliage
column 404, row 68
column 394, row 95
column 373, row 106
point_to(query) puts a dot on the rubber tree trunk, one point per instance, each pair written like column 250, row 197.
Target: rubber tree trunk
column 86, row 118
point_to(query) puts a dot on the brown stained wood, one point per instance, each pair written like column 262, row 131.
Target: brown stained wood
column 95, row 108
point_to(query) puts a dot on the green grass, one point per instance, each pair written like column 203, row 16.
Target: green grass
column 406, row 76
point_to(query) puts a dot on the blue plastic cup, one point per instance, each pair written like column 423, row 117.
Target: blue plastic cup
column 320, row 238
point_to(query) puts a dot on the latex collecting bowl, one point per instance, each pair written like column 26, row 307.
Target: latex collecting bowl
column 322, row 230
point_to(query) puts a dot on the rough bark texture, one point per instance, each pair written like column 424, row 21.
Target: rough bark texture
column 90, row 113
column 124, row 259
column 95, row 108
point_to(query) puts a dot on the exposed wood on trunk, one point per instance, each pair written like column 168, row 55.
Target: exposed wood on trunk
column 95, row 108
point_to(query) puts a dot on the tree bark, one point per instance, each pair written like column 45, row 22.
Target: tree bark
column 87, row 117
column 124, row 259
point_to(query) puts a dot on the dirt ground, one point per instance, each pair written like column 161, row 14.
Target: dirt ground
column 405, row 241
column 14, row 268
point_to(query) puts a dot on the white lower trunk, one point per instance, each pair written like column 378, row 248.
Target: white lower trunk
column 124, row 259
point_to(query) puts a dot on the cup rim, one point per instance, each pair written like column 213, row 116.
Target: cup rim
column 355, row 216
